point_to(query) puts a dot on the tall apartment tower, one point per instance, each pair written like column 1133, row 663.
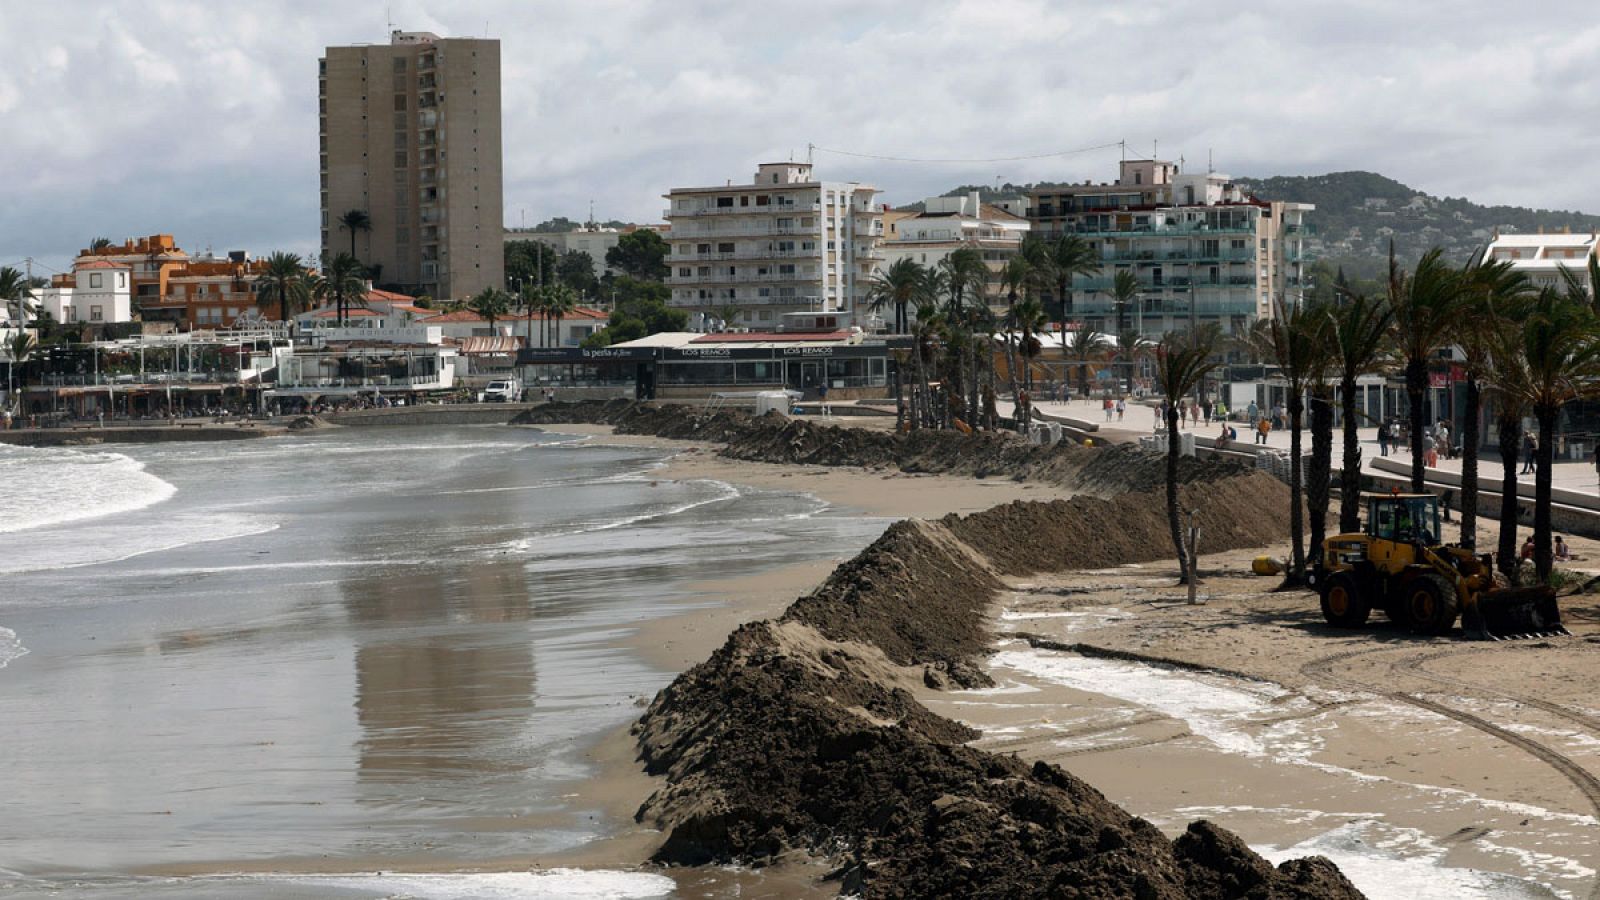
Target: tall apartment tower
column 782, row 243
column 410, row 134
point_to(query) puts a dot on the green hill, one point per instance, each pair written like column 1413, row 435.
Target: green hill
column 1359, row 212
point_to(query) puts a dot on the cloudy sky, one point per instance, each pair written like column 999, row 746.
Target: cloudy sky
column 200, row 119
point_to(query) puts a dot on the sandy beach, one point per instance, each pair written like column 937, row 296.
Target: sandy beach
column 1427, row 767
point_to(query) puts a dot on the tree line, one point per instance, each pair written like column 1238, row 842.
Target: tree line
column 1530, row 350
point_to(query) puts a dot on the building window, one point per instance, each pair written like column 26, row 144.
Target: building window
column 72, row 314
column 96, row 313
column 94, row 279
column 399, row 102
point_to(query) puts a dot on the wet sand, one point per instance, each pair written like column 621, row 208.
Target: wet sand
column 1303, row 740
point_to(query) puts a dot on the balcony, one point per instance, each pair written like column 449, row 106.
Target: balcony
column 741, row 254
column 743, row 229
column 770, row 209
column 1138, row 230
column 740, row 278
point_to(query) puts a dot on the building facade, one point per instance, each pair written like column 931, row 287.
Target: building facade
column 97, row 291
column 1201, row 249
column 782, row 243
column 410, row 135
column 1541, row 257
column 948, row 224
column 591, row 239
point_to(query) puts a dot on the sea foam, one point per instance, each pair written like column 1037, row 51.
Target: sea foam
column 10, row 647
column 44, row 487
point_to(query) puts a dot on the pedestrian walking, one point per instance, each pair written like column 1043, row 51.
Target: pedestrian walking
column 1383, row 438
column 1530, row 449
column 1442, row 439
column 1597, row 461
column 822, row 400
column 1252, row 413
column 1108, row 406
column 1277, row 415
column 1122, row 407
column 1194, row 412
column 1206, row 407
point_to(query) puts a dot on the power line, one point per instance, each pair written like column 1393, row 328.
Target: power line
column 996, row 159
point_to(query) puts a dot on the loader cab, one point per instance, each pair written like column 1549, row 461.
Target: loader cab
column 1404, row 518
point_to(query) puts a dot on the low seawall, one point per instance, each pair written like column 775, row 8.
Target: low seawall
column 445, row 414
column 74, row 437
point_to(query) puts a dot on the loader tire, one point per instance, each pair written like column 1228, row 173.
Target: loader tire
column 1431, row 604
column 1343, row 604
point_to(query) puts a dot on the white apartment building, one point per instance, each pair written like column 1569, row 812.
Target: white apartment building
column 1541, row 257
column 1201, row 249
column 782, row 243
column 97, row 291
column 947, row 224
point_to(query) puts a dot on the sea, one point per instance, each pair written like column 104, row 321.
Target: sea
column 354, row 651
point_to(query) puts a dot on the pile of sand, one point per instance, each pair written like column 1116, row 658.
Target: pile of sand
column 799, row 736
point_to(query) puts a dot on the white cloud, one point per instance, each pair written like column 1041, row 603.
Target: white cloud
column 200, row 119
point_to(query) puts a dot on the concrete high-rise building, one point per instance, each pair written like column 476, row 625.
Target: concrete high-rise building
column 1200, row 248
column 782, row 243
column 410, row 134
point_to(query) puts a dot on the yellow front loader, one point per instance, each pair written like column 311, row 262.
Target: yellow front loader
column 1399, row 565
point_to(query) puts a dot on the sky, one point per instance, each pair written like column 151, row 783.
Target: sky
column 199, row 119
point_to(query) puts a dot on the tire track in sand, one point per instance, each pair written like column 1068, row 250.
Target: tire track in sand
column 1580, row 778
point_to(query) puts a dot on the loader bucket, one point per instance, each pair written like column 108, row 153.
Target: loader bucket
column 1511, row 613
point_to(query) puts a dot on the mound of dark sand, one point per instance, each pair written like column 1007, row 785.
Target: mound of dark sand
column 799, row 736
column 1103, row 470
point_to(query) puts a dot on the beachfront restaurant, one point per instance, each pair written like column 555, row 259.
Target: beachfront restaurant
column 690, row 365
column 366, row 371
column 150, row 376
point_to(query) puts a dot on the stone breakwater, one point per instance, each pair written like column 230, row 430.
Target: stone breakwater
column 802, row 735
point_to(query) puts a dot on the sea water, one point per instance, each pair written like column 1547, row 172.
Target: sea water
column 388, row 646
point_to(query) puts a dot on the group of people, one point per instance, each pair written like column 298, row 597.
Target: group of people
column 1560, row 552
column 1194, row 412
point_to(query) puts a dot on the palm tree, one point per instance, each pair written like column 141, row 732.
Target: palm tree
column 1360, row 334
column 98, row 244
column 1124, row 290
column 1426, row 305
column 902, row 287
column 1131, row 347
column 14, row 291
column 1031, row 320
column 926, row 329
column 561, row 300
column 1507, row 381
column 1586, row 286
column 1493, row 289
column 1560, row 350
column 343, row 283
column 963, row 274
column 1084, row 346
column 283, row 283
column 20, row 347
column 1057, row 260
column 1295, row 339
column 355, row 220
column 492, row 304
column 1182, row 360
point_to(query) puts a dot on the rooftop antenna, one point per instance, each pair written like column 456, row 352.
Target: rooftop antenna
column 388, row 17
column 1211, row 167
column 809, row 149
column 1124, row 145
column 1155, row 149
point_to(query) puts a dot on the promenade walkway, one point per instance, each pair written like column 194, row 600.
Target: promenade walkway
column 1140, row 420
